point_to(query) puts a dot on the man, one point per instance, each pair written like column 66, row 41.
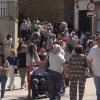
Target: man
column 75, row 37
column 71, row 41
column 94, row 62
column 23, row 29
column 21, row 63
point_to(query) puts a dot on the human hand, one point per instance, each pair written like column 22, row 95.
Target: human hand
column 1, row 68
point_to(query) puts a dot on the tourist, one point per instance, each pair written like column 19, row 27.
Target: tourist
column 29, row 26
column 94, row 40
column 42, row 38
column 82, row 38
column 77, row 66
column 66, row 34
column 55, row 76
column 7, row 46
column 33, row 26
column 94, row 63
column 32, row 59
column 21, row 65
column 71, row 41
column 12, row 59
column 90, row 45
column 54, row 38
column 23, row 29
column 4, row 68
column 75, row 37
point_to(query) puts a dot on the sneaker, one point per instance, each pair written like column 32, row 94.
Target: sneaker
column 21, row 87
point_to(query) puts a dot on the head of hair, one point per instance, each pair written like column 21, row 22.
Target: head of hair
column 94, row 37
column 70, row 48
column 90, row 42
column 8, row 37
column 35, row 29
column 31, row 49
column 2, row 58
column 79, row 49
column 19, row 46
column 12, row 52
column 90, row 37
column 56, row 49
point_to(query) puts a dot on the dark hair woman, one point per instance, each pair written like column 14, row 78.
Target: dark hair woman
column 76, row 69
column 19, row 47
column 32, row 59
column 4, row 68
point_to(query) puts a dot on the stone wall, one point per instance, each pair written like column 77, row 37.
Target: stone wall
column 51, row 10
column 9, row 26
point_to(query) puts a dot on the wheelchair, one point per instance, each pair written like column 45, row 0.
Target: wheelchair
column 39, row 86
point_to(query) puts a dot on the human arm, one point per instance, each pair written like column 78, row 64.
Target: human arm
column 64, row 69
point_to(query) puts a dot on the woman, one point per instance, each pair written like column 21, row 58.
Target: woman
column 68, row 53
column 4, row 68
column 90, row 45
column 94, row 40
column 77, row 66
column 12, row 59
column 7, row 45
column 32, row 59
column 55, row 74
column 19, row 47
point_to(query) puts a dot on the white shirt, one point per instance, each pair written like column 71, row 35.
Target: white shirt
column 62, row 52
column 94, row 57
column 24, row 26
column 56, row 61
column 66, row 34
column 82, row 38
column 28, row 24
column 38, row 34
column 76, row 39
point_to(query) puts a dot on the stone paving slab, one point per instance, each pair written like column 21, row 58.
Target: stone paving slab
column 19, row 94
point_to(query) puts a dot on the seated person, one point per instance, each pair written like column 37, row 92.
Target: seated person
column 39, row 79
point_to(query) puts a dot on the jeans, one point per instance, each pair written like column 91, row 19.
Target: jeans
column 3, row 80
column 97, row 85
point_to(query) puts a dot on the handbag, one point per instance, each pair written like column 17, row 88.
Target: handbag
column 47, row 65
column 87, row 72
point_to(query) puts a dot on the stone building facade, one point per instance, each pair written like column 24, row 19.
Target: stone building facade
column 50, row 10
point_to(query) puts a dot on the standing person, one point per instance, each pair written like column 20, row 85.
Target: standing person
column 12, row 59
column 71, row 41
column 4, row 68
column 55, row 74
column 7, row 46
column 29, row 26
column 94, row 40
column 82, row 38
column 21, row 64
column 75, row 37
column 42, row 38
column 23, row 29
column 77, row 66
column 66, row 34
column 34, row 25
column 32, row 59
column 94, row 63
column 49, row 42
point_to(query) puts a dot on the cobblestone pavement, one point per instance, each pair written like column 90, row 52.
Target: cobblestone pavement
column 21, row 94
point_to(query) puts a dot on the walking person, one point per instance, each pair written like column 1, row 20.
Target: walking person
column 55, row 74
column 12, row 59
column 23, row 29
column 94, row 62
column 77, row 66
column 21, row 65
column 32, row 59
column 7, row 45
column 4, row 68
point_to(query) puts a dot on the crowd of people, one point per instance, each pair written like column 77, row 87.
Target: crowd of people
column 51, row 54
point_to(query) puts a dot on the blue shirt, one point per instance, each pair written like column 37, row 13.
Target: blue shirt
column 12, row 61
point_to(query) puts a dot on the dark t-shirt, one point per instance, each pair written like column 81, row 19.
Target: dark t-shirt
column 22, row 59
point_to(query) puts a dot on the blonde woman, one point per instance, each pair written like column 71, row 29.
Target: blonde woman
column 12, row 59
